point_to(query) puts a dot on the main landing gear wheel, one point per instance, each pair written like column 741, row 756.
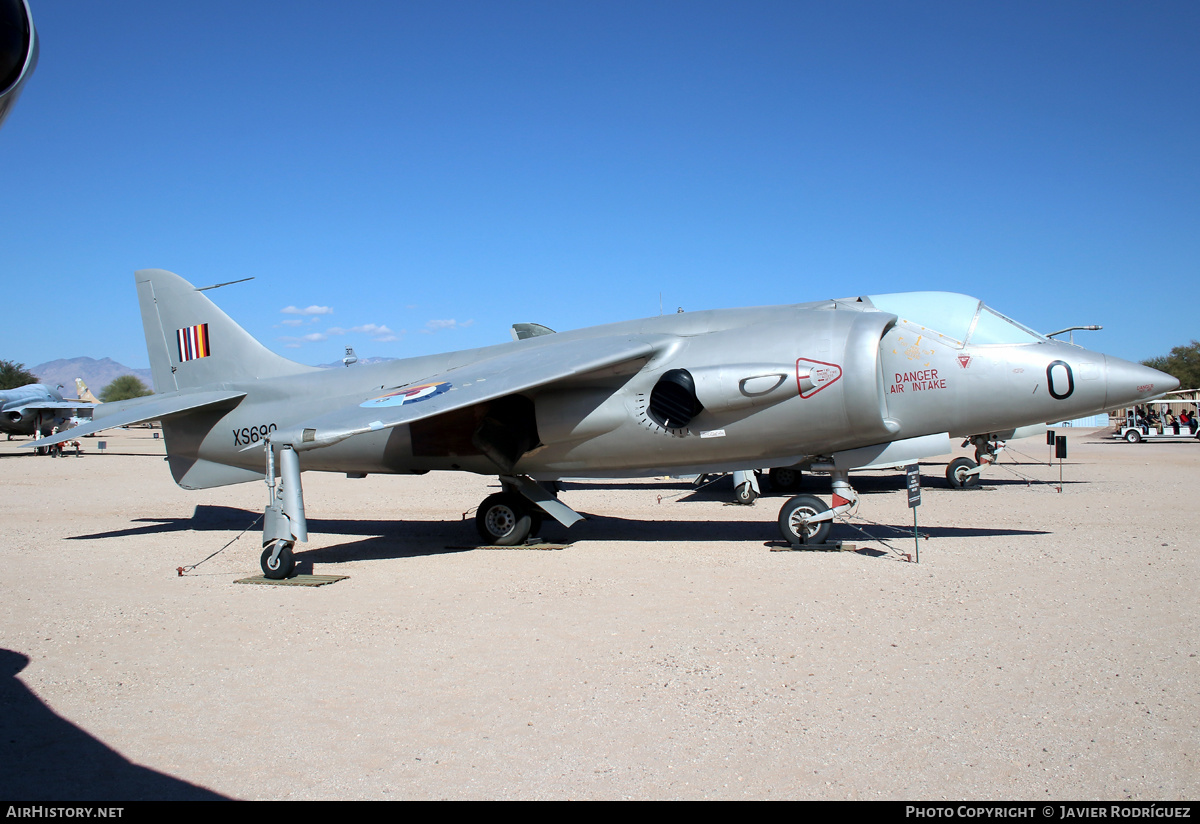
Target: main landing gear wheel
column 784, row 478
column 506, row 519
column 956, row 473
column 1133, row 436
column 283, row 566
column 791, row 520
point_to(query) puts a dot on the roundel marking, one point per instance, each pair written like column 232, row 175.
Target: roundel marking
column 408, row 394
column 1059, row 368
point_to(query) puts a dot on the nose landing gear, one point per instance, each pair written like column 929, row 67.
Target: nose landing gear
column 963, row 473
column 805, row 520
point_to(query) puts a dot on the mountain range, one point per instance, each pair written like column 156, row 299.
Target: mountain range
column 95, row 373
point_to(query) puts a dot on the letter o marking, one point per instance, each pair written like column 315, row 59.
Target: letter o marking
column 1051, row 383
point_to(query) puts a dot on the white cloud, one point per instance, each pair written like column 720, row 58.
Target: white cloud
column 311, row 310
column 371, row 329
column 380, row 334
column 436, row 325
column 311, row 337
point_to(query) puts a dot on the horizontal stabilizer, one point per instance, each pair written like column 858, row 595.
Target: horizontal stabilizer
column 141, row 410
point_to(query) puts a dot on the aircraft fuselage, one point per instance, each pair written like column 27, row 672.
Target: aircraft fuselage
column 773, row 386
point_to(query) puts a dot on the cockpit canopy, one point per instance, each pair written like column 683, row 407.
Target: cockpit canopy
column 958, row 320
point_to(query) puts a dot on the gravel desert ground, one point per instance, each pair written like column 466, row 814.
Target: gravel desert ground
column 1044, row 648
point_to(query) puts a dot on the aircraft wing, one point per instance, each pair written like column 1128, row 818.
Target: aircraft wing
column 57, row 405
column 484, row 380
column 140, row 410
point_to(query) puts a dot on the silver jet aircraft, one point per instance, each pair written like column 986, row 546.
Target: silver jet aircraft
column 35, row 409
column 835, row 385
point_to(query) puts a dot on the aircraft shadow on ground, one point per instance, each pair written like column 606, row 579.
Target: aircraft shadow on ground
column 52, row 760
column 893, row 532
column 383, row 539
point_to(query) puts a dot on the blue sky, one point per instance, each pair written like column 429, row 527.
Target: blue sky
column 426, row 174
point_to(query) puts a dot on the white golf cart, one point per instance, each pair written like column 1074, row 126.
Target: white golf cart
column 1159, row 420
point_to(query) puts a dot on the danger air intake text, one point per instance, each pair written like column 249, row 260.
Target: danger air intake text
column 921, row 381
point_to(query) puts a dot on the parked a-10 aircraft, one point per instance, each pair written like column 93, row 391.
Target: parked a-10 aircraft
column 839, row 384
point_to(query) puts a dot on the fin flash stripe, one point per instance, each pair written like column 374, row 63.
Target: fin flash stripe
column 193, row 342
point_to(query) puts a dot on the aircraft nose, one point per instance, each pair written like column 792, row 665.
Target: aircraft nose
column 1129, row 382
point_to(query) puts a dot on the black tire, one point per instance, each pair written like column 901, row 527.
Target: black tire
column 784, row 478
column 1133, row 436
column 504, row 519
column 956, row 473
column 790, row 525
column 745, row 494
column 284, row 565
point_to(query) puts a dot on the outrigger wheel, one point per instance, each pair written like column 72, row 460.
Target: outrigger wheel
column 745, row 493
column 957, row 473
column 506, row 519
column 792, row 520
column 281, row 567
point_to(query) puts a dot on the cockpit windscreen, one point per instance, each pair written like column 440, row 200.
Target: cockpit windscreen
column 958, row 319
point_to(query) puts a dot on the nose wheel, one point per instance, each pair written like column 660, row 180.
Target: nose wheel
column 961, row 475
column 805, row 520
column 797, row 520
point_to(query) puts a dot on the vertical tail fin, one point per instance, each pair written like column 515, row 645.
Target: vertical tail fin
column 83, row 393
column 193, row 343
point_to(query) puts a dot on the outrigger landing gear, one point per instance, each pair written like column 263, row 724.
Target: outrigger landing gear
column 277, row 560
column 805, row 520
column 283, row 520
column 745, row 486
